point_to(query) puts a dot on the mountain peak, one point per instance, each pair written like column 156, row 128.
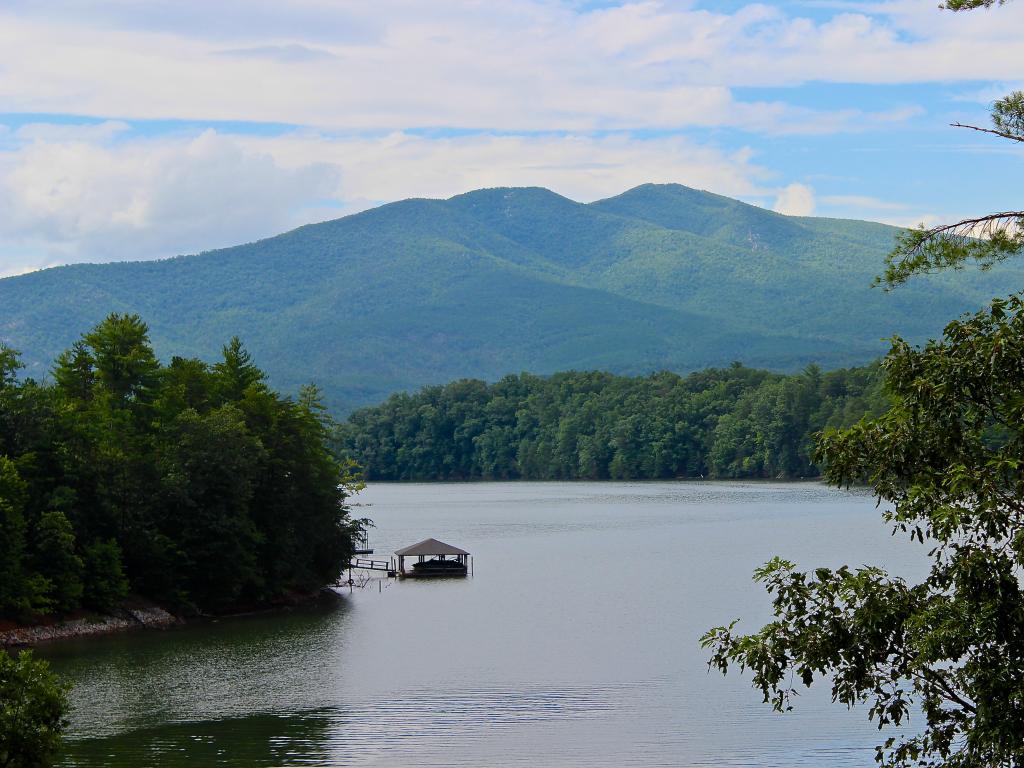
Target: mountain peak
column 420, row 291
column 511, row 198
column 647, row 195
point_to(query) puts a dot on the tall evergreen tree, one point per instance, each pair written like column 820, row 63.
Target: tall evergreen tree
column 55, row 559
column 192, row 484
column 15, row 595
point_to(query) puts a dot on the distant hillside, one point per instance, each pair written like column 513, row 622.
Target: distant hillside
column 507, row 280
column 730, row 422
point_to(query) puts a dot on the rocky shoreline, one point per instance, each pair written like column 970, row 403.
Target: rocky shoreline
column 139, row 613
column 127, row 618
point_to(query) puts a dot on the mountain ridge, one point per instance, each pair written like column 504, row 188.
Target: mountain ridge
column 506, row 279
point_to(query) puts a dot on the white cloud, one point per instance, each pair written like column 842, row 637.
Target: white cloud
column 552, row 93
column 522, row 65
column 795, row 200
column 582, row 167
column 143, row 199
column 74, row 200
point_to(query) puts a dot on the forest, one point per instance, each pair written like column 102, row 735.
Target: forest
column 190, row 484
column 496, row 281
column 725, row 423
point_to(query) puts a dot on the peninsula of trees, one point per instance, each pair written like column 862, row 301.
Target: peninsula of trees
column 729, row 423
column 191, row 484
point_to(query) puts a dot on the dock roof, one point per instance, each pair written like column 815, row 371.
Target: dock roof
column 430, row 547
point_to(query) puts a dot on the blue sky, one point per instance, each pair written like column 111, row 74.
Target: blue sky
column 148, row 129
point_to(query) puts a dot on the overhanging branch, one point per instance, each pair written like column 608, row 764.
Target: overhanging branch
column 993, row 131
column 979, row 227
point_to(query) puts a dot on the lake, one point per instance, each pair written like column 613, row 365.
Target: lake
column 575, row 642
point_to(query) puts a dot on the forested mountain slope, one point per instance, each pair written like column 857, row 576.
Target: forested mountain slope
column 506, row 280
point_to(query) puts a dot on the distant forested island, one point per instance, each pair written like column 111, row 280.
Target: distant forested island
column 194, row 485
column 734, row 422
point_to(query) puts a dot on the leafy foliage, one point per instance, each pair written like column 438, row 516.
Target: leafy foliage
column 985, row 241
column 1008, row 115
column 55, row 560
column 732, row 422
column 948, row 459
column 192, row 484
column 967, row 5
column 33, row 709
column 498, row 281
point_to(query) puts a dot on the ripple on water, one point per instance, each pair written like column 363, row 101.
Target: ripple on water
column 576, row 643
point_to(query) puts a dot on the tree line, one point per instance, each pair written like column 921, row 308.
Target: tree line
column 724, row 422
column 192, row 484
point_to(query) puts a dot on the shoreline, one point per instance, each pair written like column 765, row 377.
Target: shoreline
column 136, row 615
column 149, row 616
column 581, row 480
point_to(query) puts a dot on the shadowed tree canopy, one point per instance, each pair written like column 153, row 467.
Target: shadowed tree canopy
column 727, row 422
column 191, row 484
column 33, row 712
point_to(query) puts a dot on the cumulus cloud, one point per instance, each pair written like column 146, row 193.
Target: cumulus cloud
column 146, row 199
column 523, row 65
column 399, row 98
column 582, row 167
column 795, row 200
column 72, row 199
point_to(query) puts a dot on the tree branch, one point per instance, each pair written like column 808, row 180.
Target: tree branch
column 993, row 131
column 932, row 676
column 935, row 678
column 970, row 228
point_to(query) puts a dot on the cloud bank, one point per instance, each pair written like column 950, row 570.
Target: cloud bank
column 140, row 130
column 517, row 66
column 149, row 198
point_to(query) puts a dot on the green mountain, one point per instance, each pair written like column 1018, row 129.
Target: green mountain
column 505, row 280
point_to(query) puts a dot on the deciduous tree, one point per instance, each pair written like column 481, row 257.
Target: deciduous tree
column 948, row 462
column 33, row 710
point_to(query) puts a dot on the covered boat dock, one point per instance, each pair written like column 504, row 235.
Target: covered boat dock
column 444, row 560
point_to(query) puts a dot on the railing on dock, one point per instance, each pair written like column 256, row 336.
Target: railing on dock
column 371, row 565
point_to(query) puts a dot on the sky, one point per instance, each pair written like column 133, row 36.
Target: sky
column 141, row 129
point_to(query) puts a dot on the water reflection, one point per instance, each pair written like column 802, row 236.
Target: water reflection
column 267, row 663
column 575, row 643
column 254, row 740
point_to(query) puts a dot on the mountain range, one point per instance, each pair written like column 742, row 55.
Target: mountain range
column 507, row 280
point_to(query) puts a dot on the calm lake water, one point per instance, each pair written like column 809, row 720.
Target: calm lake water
column 575, row 643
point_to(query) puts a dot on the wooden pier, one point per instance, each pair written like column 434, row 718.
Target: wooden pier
column 444, row 560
